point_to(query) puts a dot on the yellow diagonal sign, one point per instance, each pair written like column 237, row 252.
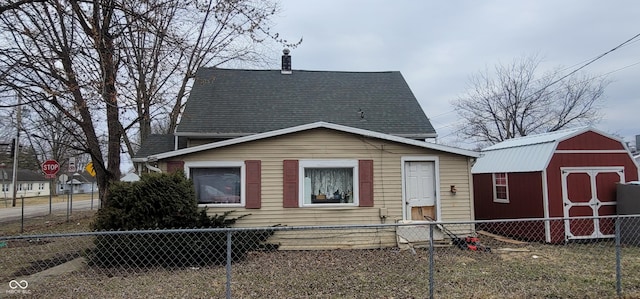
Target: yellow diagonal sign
column 89, row 169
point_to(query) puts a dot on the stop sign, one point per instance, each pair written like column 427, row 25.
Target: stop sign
column 50, row 167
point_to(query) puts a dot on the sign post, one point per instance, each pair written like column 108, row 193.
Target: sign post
column 72, row 169
column 4, row 177
column 63, row 180
column 50, row 169
column 92, row 171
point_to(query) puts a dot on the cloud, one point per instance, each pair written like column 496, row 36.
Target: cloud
column 438, row 45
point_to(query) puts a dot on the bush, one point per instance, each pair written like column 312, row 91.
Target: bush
column 159, row 202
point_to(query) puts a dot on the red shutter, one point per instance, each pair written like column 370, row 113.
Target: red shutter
column 290, row 183
column 253, row 184
column 365, row 181
column 173, row 166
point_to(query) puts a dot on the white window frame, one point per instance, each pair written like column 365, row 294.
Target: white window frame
column 29, row 186
column 219, row 164
column 41, row 186
column 495, row 188
column 19, row 187
column 5, row 187
column 346, row 163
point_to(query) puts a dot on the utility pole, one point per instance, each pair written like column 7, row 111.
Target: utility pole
column 4, row 187
column 16, row 151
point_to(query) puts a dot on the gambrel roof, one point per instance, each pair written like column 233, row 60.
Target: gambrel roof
column 229, row 103
column 526, row 154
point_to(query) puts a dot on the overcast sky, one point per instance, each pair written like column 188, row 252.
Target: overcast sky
column 438, row 45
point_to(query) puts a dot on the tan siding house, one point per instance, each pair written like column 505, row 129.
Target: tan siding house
column 315, row 148
column 392, row 188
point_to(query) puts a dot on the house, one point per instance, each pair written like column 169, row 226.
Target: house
column 77, row 183
column 302, row 148
column 29, row 183
column 567, row 173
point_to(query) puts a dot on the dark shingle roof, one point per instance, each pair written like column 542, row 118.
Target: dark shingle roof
column 82, row 177
column 233, row 103
column 158, row 143
column 24, row 175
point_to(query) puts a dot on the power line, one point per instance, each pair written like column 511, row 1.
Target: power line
column 456, row 131
column 442, row 114
column 622, row 68
column 588, row 63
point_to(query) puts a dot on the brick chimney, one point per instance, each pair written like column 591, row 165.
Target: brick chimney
column 286, row 62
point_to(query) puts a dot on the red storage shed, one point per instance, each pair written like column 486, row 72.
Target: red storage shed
column 568, row 173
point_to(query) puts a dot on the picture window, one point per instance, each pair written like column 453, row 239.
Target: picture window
column 329, row 182
column 218, row 183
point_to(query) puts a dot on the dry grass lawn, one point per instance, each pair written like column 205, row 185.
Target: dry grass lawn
column 531, row 270
column 42, row 200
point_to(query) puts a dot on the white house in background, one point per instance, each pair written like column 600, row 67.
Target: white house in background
column 29, row 183
column 78, row 182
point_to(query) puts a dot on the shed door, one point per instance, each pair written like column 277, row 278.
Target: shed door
column 590, row 192
column 420, row 192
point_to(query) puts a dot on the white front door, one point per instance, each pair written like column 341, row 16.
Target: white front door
column 420, row 192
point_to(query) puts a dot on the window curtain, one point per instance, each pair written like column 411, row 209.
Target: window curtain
column 330, row 180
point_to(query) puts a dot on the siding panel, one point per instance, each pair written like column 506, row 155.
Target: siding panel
column 328, row 144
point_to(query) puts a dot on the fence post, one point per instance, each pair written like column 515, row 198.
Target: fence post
column 618, row 269
column 228, row 264
column 431, row 260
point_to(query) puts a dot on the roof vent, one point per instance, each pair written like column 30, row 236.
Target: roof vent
column 286, row 62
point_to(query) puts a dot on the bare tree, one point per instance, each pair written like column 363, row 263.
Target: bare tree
column 161, row 61
column 65, row 55
column 9, row 4
column 107, row 66
column 514, row 101
column 51, row 135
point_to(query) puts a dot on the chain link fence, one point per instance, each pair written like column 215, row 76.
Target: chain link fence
column 590, row 257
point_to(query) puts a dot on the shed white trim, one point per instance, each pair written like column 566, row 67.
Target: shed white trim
column 590, row 151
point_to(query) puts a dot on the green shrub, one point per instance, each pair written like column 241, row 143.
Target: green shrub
column 159, row 202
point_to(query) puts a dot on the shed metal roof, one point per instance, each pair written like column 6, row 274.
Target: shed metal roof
column 523, row 154
column 536, row 139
